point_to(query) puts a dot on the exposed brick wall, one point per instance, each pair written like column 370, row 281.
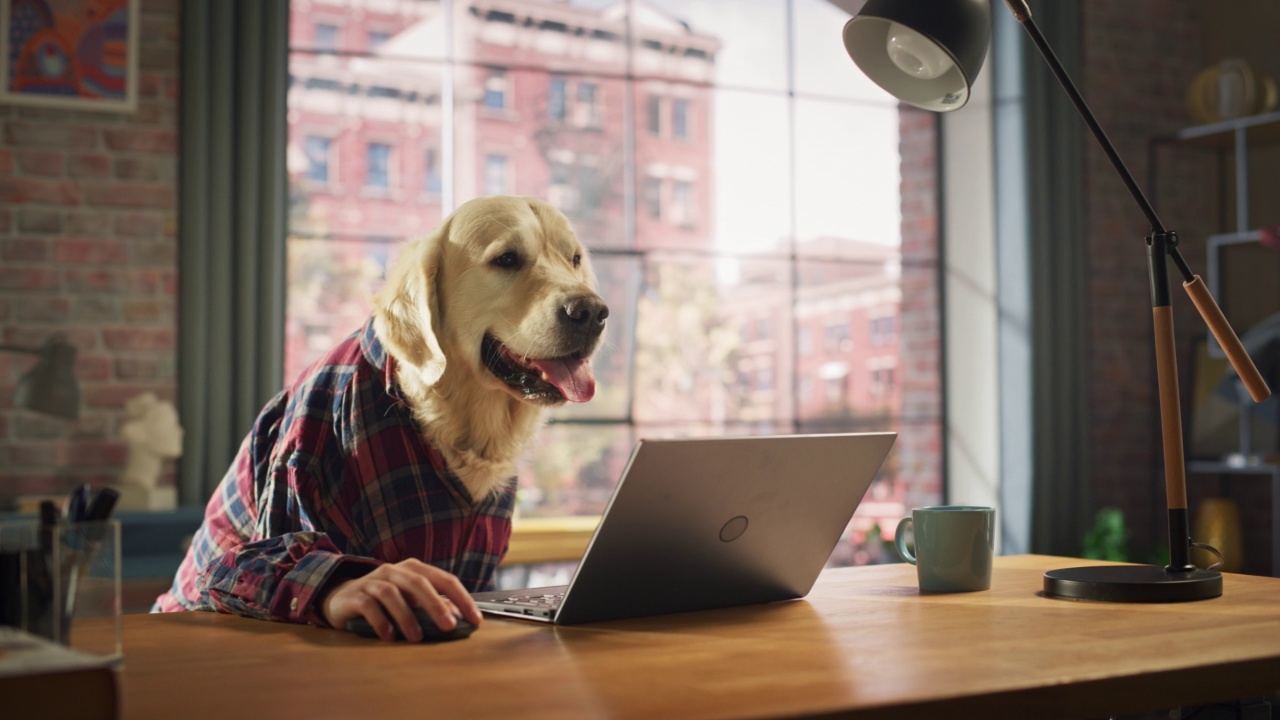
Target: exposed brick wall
column 919, row 446
column 1139, row 58
column 88, row 221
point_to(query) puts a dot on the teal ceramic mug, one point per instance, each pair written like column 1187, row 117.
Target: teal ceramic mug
column 953, row 546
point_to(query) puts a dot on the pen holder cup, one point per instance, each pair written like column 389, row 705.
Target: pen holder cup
column 62, row 582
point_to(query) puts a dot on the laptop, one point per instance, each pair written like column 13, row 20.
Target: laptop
column 705, row 523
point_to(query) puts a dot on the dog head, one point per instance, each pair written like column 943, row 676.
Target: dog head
column 502, row 294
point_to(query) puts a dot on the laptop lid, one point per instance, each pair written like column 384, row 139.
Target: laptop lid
column 704, row 523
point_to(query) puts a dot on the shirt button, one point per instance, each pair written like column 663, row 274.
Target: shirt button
column 293, row 605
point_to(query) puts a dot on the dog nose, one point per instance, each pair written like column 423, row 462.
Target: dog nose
column 586, row 311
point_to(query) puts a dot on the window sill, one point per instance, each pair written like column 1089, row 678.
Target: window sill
column 555, row 539
column 489, row 113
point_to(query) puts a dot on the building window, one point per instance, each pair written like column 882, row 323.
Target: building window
column 834, row 391
column 653, row 197
column 375, row 39
column 882, row 382
column 495, row 90
column 495, row 175
column 837, row 337
column 804, row 340
column 680, row 119
column 326, row 37
column 563, row 193
column 588, row 108
column 431, row 181
column 654, row 103
column 317, row 151
column 558, row 99
column 882, row 330
column 378, row 173
column 682, row 203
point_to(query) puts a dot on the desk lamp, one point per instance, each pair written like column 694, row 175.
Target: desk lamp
column 928, row 54
column 50, row 386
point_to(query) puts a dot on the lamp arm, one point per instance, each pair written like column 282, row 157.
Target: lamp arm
column 1023, row 15
column 1195, row 287
column 1162, row 246
column 16, row 348
column 1227, row 338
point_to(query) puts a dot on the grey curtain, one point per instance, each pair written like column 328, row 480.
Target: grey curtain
column 1058, row 254
column 232, row 224
column 1043, row 281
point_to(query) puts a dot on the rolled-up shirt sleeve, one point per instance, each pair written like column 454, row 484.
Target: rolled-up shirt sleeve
column 279, row 578
column 334, row 479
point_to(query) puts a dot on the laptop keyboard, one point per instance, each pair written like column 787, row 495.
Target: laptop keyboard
column 550, row 601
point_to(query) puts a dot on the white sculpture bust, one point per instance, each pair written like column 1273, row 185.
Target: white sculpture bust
column 152, row 434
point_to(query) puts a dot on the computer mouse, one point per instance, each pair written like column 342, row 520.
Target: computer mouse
column 430, row 633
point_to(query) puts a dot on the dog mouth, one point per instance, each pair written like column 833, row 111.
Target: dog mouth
column 547, row 380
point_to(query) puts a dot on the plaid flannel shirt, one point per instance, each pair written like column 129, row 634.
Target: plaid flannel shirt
column 335, row 476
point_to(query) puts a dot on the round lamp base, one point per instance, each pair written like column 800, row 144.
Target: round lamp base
column 1132, row 583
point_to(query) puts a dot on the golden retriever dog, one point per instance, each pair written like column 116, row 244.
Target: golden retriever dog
column 493, row 318
column 380, row 480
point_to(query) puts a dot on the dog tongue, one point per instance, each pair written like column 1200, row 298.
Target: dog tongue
column 573, row 378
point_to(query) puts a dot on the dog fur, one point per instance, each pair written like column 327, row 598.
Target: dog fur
column 510, row 269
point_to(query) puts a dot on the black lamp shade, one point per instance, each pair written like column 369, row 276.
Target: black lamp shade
column 956, row 32
column 50, row 386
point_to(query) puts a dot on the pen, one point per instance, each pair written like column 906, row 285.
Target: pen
column 103, row 503
column 91, row 523
column 77, row 503
column 48, row 520
column 41, row 576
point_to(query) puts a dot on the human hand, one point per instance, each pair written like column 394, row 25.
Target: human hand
column 387, row 593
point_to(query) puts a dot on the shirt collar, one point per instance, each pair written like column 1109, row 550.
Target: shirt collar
column 385, row 363
column 377, row 356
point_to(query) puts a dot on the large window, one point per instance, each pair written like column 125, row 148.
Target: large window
column 742, row 194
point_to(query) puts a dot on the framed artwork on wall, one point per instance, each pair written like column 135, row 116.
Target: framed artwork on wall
column 73, row 54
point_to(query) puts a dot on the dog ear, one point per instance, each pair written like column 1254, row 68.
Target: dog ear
column 408, row 306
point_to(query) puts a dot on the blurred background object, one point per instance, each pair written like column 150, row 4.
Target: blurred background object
column 50, row 386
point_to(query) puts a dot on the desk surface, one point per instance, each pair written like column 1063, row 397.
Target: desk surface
column 863, row 643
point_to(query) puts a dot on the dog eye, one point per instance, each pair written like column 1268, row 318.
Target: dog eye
column 577, row 260
column 507, row 260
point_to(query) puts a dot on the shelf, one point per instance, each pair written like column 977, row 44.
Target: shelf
column 1262, row 470
column 1259, row 129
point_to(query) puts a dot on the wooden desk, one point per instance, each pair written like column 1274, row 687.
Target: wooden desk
column 864, row 643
